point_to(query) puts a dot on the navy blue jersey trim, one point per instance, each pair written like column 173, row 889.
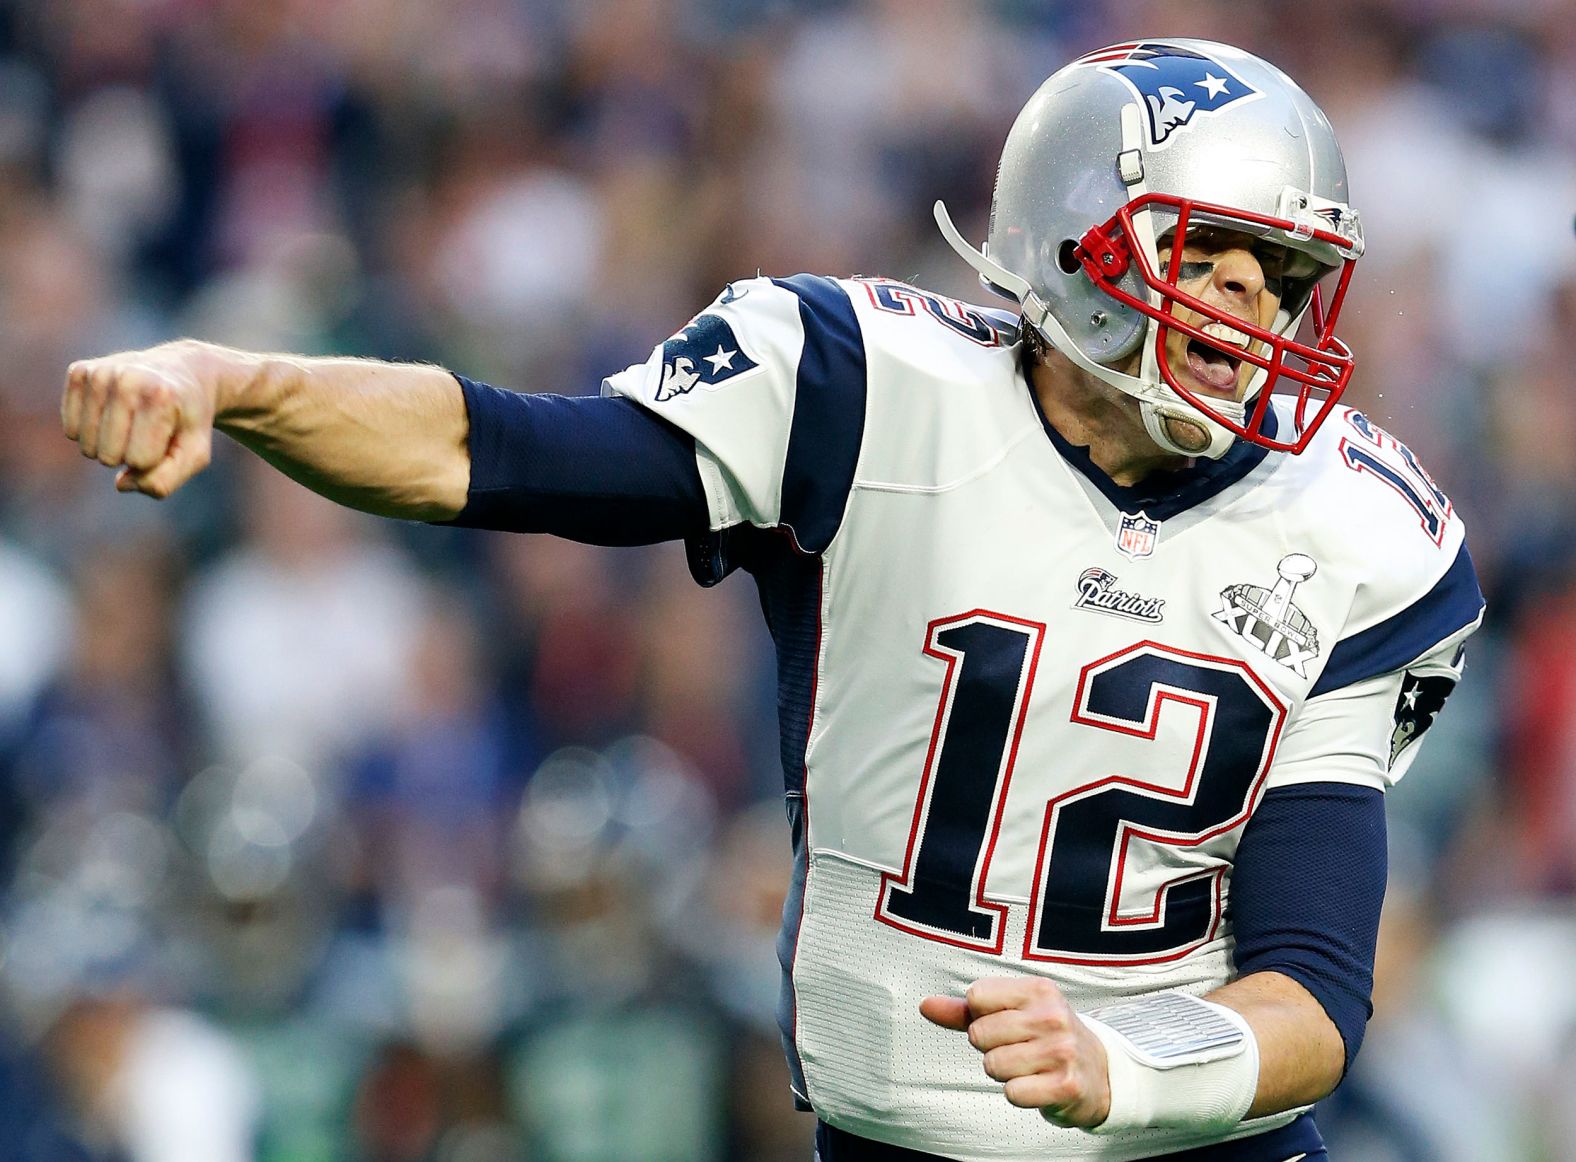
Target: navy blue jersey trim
column 1454, row 603
column 790, row 590
column 789, row 584
column 788, row 947
column 1320, row 930
column 1299, row 1138
column 1163, row 495
column 602, row 470
column 828, row 416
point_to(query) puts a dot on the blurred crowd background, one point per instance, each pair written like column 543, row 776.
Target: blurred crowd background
column 323, row 838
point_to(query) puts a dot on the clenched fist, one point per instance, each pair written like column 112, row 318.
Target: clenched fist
column 149, row 413
column 1034, row 1042
column 387, row 438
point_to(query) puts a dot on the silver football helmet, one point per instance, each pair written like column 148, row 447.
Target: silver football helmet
column 1136, row 144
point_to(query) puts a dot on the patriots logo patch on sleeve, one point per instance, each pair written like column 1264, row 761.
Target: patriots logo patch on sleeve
column 1422, row 698
column 704, row 354
column 1175, row 84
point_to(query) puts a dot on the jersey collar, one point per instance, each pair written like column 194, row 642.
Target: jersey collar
column 1163, row 495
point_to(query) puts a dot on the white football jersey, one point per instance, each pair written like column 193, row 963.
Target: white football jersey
column 1027, row 713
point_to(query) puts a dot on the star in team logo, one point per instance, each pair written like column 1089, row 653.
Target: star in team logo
column 1164, row 78
column 1213, row 85
column 686, row 364
column 1422, row 697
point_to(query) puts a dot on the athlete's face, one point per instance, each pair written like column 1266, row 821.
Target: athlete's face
column 1241, row 277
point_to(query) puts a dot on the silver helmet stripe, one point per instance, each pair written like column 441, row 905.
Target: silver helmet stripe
column 1155, row 411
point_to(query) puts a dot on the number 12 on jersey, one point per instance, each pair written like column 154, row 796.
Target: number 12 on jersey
column 1089, row 830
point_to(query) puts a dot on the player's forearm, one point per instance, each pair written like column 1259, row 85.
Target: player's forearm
column 1300, row 1050
column 382, row 437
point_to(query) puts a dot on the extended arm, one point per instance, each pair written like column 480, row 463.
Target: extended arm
column 396, row 440
column 386, row 438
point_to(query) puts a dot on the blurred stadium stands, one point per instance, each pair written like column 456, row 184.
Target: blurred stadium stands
column 329, row 839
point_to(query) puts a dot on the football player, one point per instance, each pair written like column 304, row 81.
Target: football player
column 1102, row 626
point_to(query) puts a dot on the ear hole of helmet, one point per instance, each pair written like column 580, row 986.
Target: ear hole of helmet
column 1067, row 256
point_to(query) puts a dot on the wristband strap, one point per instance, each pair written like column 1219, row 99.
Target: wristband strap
column 1175, row 1061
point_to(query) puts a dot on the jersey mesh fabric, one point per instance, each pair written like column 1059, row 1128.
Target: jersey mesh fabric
column 1300, row 1141
column 864, row 974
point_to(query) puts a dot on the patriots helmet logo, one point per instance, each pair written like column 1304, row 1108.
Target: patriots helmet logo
column 704, row 354
column 1176, row 85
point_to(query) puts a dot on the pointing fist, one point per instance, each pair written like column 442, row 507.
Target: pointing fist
column 149, row 413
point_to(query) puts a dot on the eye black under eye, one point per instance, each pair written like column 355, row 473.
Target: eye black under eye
column 1189, row 271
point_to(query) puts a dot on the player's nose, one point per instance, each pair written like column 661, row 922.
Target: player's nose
column 1238, row 275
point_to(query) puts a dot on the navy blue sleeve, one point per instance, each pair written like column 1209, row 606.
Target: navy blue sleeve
column 601, row 471
column 1306, row 893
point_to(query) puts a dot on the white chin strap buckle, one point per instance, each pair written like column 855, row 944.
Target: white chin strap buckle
column 1218, row 437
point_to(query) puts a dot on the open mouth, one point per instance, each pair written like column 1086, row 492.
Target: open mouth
column 1215, row 363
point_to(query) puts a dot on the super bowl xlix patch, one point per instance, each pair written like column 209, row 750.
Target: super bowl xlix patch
column 1266, row 619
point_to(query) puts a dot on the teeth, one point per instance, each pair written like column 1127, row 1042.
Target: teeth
column 1225, row 334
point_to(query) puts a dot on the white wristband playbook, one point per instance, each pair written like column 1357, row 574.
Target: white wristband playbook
column 1175, row 1061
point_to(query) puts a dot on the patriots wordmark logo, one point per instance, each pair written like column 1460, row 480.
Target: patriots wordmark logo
column 1136, row 536
column 1422, row 698
column 1266, row 618
column 1175, row 84
column 1097, row 591
column 704, row 354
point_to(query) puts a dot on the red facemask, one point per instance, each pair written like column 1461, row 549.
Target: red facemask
column 1318, row 373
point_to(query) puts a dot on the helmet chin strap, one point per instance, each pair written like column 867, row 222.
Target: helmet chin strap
column 1217, row 438
column 1157, row 402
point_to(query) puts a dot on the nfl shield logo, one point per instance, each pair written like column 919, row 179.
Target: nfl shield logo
column 1136, row 536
